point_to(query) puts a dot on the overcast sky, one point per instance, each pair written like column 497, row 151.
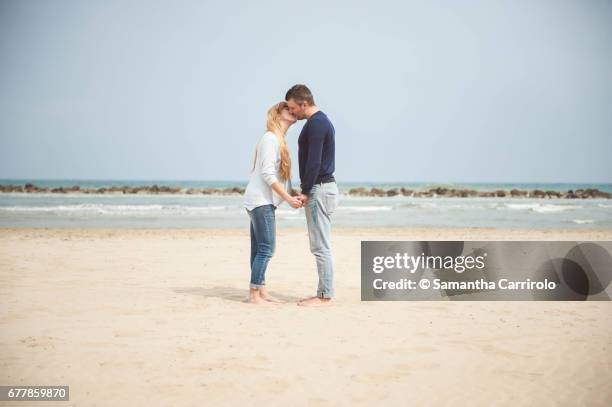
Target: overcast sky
column 440, row 91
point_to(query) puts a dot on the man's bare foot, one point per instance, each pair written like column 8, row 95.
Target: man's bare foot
column 263, row 293
column 306, row 299
column 255, row 297
column 315, row 302
column 255, row 300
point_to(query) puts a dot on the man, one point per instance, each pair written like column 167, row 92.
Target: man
column 316, row 154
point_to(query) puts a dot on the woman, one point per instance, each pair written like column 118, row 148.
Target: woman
column 268, row 186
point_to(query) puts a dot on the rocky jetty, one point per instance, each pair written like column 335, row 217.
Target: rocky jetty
column 467, row 193
column 152, row 189
column 588, row 193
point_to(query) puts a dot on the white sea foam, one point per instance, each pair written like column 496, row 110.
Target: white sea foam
column 365, row 208
column 228, row 211
column 540, row 208
column 112, row 209
column 291, row 217
column 418, row 205
column 289, row 213
column 582, row 221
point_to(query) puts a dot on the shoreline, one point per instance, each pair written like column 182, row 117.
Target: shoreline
column 381, row 233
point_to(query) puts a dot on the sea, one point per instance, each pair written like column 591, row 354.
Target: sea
column 182, row 211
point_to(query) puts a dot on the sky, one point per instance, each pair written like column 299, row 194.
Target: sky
column 418, row 91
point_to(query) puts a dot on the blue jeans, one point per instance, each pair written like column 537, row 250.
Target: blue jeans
column 322, row 202
column 263, row 242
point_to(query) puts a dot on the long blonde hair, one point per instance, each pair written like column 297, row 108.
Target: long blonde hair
column 273, row 124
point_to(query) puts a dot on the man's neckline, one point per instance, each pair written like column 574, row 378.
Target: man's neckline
column 313, row 115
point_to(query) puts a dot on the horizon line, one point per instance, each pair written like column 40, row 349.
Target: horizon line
column 340, row 182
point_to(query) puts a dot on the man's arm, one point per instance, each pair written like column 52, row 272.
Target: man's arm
column 316, row 137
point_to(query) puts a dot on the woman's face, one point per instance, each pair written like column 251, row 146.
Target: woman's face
column 287, row 116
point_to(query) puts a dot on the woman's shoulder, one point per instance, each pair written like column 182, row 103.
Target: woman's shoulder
column 268, row 136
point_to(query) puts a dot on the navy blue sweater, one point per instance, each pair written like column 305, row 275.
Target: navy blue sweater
column 316, row 151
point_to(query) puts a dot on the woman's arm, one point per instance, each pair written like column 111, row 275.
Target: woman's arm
column 278, row 188
column 268, row 151
column 291, row 200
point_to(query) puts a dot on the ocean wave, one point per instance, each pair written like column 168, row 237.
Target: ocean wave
column 417, row 205
column 287, row 212
column 365, row 208
column 106, row 209
column 291, row 217
column 583, row 221
column 539, row 208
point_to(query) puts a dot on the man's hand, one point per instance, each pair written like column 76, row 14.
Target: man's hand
column 302, row 198
column 294, row 202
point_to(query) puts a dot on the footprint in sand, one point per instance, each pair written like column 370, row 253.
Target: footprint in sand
column 38, row 341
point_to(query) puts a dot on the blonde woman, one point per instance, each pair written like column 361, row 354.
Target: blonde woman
column 269, row 185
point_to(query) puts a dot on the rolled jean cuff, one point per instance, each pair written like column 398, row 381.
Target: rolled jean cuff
column 325, row 295
column 256, row 286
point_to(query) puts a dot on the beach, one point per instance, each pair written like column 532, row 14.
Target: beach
column 144, row 317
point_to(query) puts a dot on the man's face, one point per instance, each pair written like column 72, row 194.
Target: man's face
column 297, row 109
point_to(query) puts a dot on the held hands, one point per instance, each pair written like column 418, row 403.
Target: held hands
column 302, row 198
column 294, row 202
column 297, row 201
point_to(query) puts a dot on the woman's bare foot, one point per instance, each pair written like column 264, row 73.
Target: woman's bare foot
column 254, row 297
column 315, row 302
column 263, row 293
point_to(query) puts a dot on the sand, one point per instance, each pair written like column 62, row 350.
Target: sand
column 155, row 317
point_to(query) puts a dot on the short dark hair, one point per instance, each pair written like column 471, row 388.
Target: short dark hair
column 300, row 93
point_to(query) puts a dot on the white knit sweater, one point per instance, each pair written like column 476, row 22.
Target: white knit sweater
column 267, row 164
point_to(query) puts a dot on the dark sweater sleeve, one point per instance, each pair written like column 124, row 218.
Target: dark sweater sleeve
column 316, row 137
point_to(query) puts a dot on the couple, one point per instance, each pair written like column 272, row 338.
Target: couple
column 270, row 184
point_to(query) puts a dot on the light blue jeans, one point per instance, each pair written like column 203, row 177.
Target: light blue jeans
column 322, row 202
column 263, row 242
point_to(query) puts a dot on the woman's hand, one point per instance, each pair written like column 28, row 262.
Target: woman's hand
column 294, row 202
column 291, row 200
